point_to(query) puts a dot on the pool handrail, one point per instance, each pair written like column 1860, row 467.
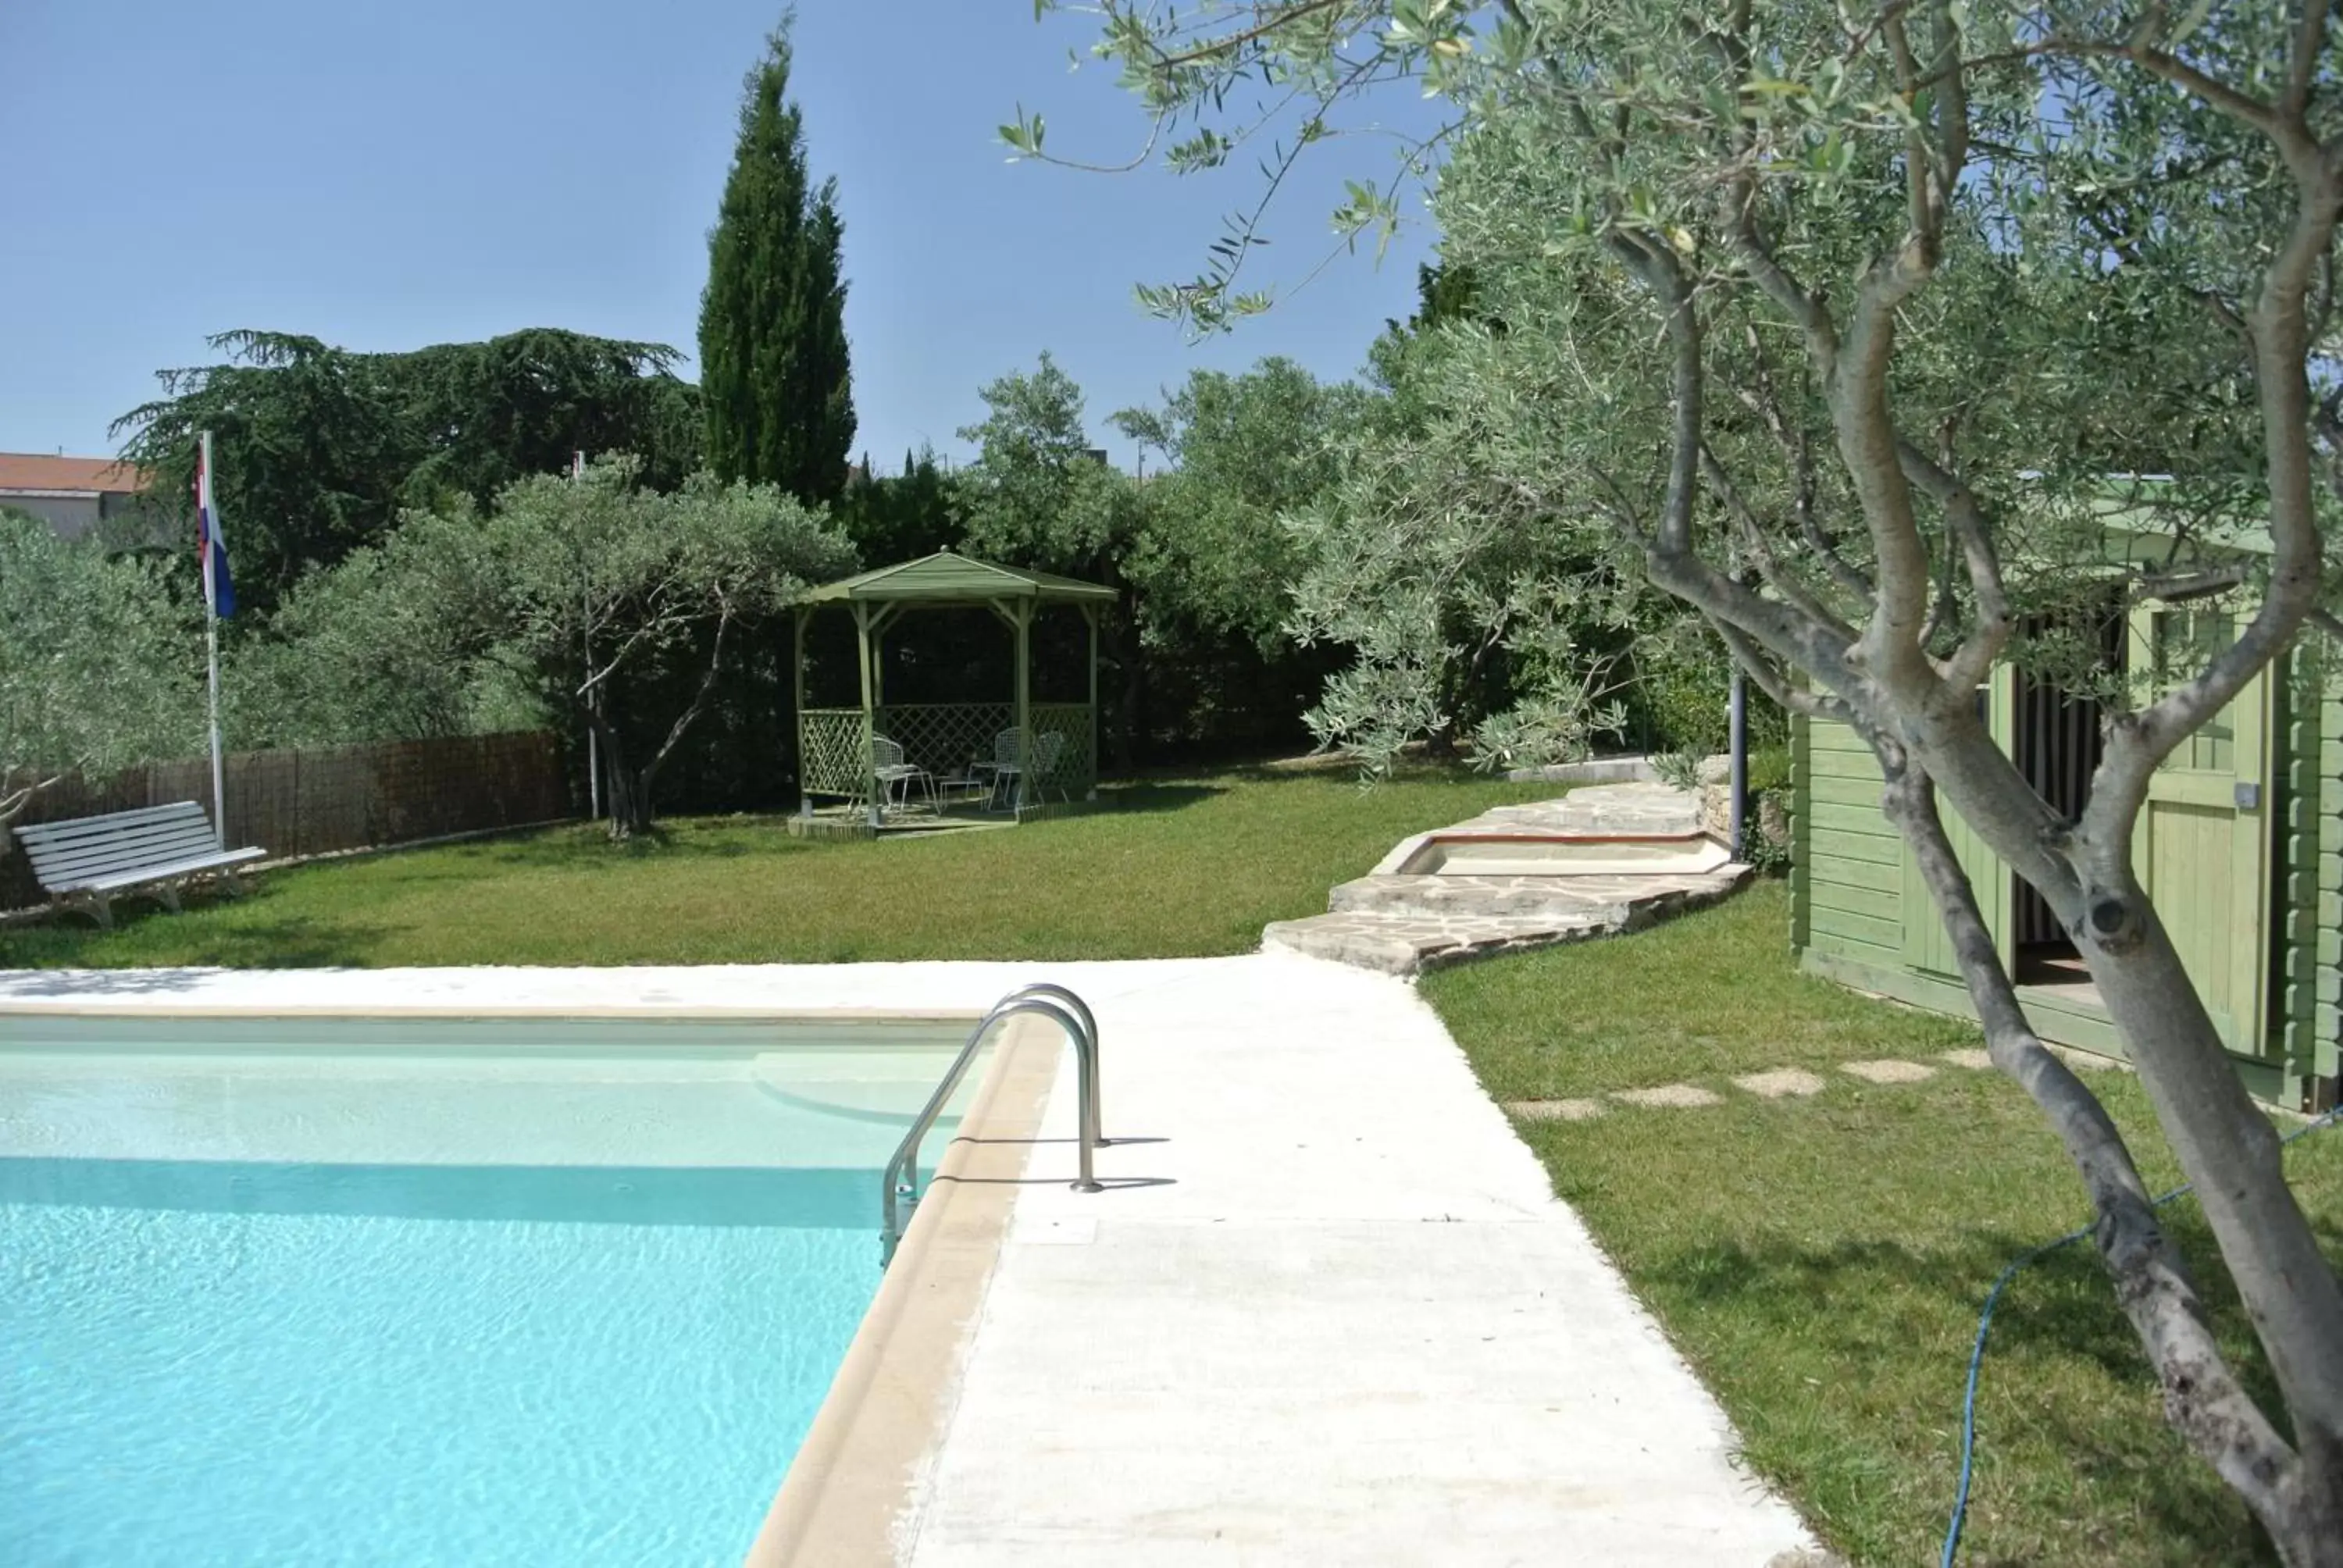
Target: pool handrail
column 1081, row 1009
column 901, row 1177
column 1052, row 993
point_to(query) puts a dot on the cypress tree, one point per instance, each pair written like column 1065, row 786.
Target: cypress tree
column 773, row 374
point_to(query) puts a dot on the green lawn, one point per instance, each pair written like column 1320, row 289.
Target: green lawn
column 1822, row 1261
column 1182, row 866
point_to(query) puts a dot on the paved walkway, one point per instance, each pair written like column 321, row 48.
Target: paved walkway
column 1337, row 1318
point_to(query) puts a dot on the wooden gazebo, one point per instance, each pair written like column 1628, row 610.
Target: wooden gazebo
column 835, row 755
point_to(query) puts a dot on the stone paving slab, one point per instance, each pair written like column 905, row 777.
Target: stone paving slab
column 1780, row 1082
column 1888, row 1069
column 1438, row 933
column 1556, row 1110
column 1975, row 1060
column 1669, row 1097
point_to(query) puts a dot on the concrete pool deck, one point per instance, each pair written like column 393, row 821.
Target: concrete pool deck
column 1327, row 1312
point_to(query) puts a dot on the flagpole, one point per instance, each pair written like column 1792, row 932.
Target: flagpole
column 211, row 661
column 586, row 639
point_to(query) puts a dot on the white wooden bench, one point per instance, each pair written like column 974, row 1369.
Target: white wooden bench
column 89, row 859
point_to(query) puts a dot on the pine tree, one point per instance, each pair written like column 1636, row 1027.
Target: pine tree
column 773, row 373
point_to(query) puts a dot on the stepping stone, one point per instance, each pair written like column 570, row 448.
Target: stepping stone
column 1888, row 1069
column 1556, row 1110
column 1975, row 1060
column 1669, row 1096
column 1781, row 1082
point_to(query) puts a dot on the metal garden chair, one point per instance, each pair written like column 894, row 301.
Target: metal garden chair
column 1000, row 773
column 1007, row 770
column 896, row 776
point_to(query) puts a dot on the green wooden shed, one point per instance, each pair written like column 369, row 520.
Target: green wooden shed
column 2240, row 844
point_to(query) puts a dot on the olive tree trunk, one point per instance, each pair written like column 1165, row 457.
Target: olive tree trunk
column 2299, row 1500
column 630, row 789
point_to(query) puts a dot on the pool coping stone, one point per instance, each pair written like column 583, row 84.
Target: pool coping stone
column 889, row 1401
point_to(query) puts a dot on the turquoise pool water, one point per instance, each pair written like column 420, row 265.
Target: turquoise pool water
column 489, row 1294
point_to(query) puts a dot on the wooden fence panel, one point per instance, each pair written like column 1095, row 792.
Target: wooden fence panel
column 314, row 802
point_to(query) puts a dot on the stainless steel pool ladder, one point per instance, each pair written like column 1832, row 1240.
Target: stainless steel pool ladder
column 1069, row 1012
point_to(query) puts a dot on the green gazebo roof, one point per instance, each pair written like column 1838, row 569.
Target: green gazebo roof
column 945, row 577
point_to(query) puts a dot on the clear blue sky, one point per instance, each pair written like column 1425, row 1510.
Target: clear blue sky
column 386, row 175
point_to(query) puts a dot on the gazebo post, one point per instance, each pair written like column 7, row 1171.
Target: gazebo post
column 869, row 714
column 797, row 683
column 1090, row 617
column 1024, row 703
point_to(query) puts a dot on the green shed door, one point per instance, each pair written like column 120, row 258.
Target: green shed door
column 1926, row 946
column 2201, row 844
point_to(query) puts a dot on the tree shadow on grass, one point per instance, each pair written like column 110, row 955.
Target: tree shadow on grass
column 280, row 941
column 1262, row 773
column 1344, row 773
column 290, row 942
column 63, row 983
column 587, row 847
column 1152, row 796
column 262, row 928
column 1839, row 1305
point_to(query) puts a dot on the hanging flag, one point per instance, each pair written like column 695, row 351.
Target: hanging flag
column 211, row 548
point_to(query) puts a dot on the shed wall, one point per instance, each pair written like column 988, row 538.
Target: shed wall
column 1856, row 919
column 1850, row 858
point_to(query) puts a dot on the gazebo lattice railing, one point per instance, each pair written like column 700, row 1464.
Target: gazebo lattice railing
column 945, row 738
column 833, row 759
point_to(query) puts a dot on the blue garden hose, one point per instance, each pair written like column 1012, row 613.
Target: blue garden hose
column 1984, row 1326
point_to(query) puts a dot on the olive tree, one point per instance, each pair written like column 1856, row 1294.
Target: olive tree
column 615, row 606
column 1461, row 617
column 1831, row 315
column 592, row 582
column 368, row 650
column 100, row 664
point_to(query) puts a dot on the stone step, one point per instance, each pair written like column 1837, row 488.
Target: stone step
column 1654, row 809
column 1385, row 923
column 1403, row 923
column 1400, row 946
column 1616, row 899
column 1594, row 771
column 1438, row 898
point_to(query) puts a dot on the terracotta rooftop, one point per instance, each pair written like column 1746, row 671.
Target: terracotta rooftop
column 32, row 471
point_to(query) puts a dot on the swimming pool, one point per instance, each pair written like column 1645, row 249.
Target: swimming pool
column 430, row 1292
